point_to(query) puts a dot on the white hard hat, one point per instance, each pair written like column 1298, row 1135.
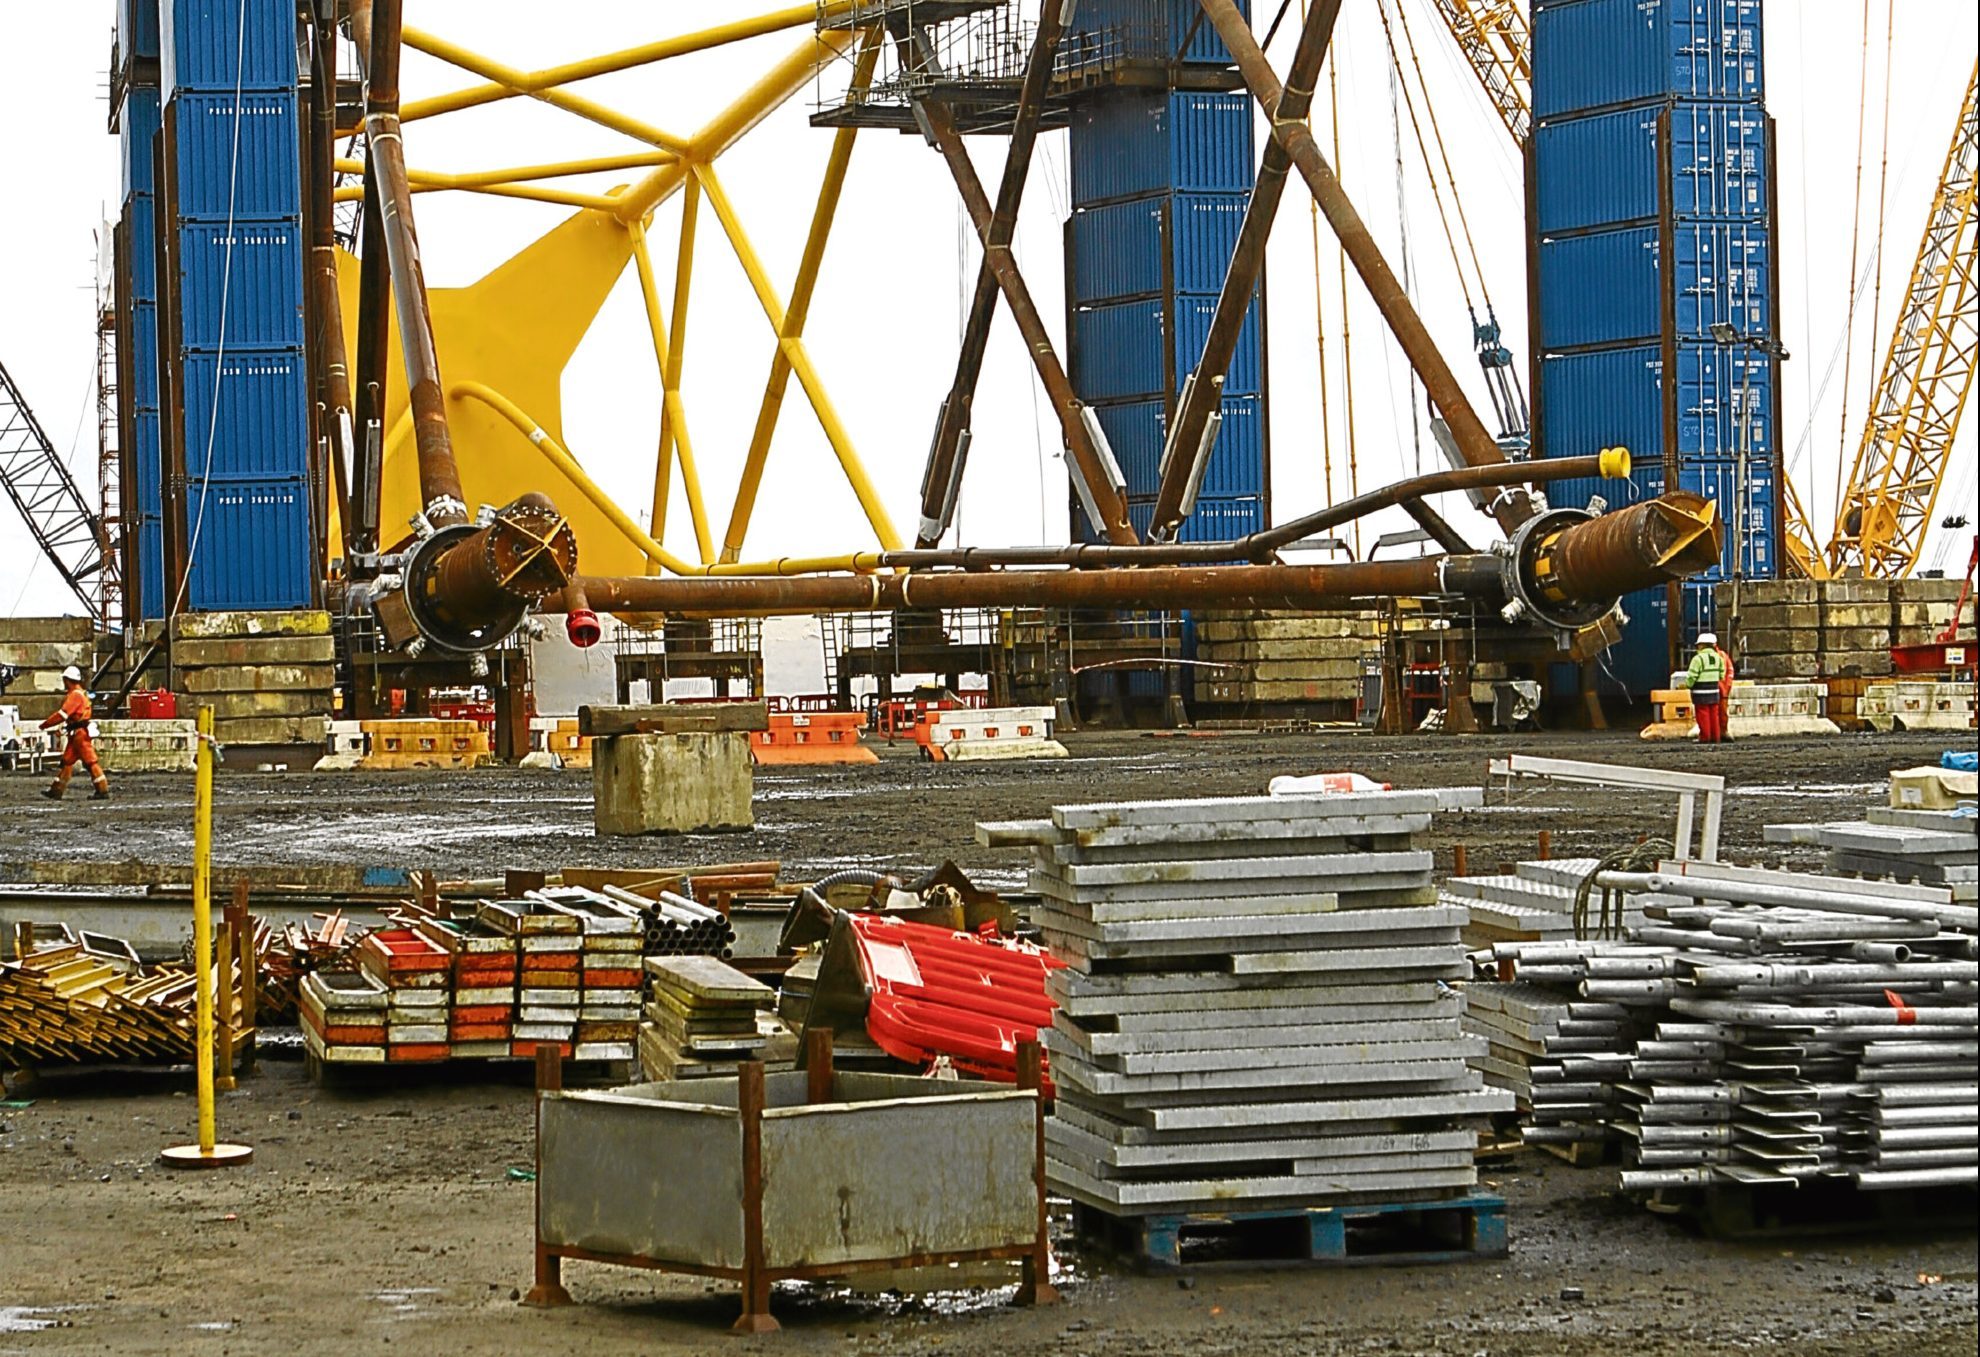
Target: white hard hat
column 72, row 675
column 1708, row 638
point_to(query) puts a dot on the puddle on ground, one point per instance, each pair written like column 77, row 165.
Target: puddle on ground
column 1876, row 790
column 213, row 1326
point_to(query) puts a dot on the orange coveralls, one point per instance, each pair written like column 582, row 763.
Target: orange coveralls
column 75, row 713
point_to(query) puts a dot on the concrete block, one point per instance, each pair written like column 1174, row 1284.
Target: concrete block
column 1840, row 616
column 257, row 650
column 1904, row 591
column 47, row 631
column 1837, row 639
column 1246, row 691
column 29, row 656
column 1767, row 593
column 260, row 678
column 1304, row 671
column 1347, row 648
column 226, row 626
column 1800, row 616
column 272, row 730
column 672, row 784
column 1767, row 641
column 1854, row 591
column 1795, row 664
column 1851, row 663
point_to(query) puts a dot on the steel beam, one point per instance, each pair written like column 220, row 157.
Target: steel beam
column 942, row 479
column 1474, row 442
column 1203, row 393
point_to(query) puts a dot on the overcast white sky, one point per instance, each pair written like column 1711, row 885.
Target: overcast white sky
column 884, row 326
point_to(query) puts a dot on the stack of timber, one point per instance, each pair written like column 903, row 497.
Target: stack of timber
column 413, row 971
column 90, row 1002
column 1254, row 1016
column 41, row 648
column 1290, row 659
column 704, row 1017
column 269, row 676
column 550, row 947
column 1773, row 1029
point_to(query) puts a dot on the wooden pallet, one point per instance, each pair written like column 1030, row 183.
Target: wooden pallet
column 1389, row 1233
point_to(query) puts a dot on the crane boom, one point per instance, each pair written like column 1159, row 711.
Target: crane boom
column 44, row 492
column 1907, row 441
column 1498, row 46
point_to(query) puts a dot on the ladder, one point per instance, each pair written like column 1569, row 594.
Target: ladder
column 44, row 492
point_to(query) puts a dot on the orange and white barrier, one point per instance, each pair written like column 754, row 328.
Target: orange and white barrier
column 811, row 737
column 962, row 734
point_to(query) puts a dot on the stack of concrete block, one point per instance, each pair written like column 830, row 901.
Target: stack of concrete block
column 269, row 677
column 1921, row 610
column 1776, row 630
column 1283, row 657
column 1230, row 1034
column 1856, row 627
column 41, row 648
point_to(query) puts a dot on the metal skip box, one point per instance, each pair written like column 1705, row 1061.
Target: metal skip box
column 1590, row 54
column 1602, row 169
column 1616, row 397
column 1607, row 287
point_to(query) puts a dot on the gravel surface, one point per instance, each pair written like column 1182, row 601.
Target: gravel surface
column 381, row 1211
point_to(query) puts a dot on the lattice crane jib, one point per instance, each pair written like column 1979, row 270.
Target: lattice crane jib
column 1907, row 441
column 45, row 494
column 1497, row 44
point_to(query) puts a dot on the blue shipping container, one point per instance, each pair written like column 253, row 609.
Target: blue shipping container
column 137, row 130
column 137, row 29
column 1109, row 32
column 1237, row 462
column 140, row 210
column 252, row 548
column 1607, row 288
column 254, row 271
column 1590, row 54
column 1215, row 520
column 143, row 464
column 262, row 429
column 226, row 45
column 259, row 177
column 151, row 567
column 1614, row 397
column 1601, row 170
column 1118, row 351
column 1118, row 249
column 144, row 355
column 1134, row 143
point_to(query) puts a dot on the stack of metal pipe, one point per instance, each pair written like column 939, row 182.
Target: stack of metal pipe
column 678, row 926
column 1771, row 1028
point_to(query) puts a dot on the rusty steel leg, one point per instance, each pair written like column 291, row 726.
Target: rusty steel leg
column 949, row 449
column 1002, row 263
column 1203, row 394
column 547, row 1291
column 1460, row 717
column 1036, row 1287
column 1475, row 443
column 755, row 1317
column 223, row 1006
column 1546, row 844
column 818, row 1065
column 1460, row 860
column 333, row 376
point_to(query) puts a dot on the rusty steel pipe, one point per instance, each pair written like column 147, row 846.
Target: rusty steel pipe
column 469, row 587
column 1633, row 548
column 443, row 500
column 332, row 361
column 1259, row 546
column 1475, row 443
column 1205, row 392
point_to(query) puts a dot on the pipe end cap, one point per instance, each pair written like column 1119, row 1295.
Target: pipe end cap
column 1615, row 463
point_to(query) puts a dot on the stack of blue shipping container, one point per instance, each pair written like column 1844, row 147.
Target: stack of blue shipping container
column 137, row 128
column 1652, row 203
column 1160, row 178
column 234, row 246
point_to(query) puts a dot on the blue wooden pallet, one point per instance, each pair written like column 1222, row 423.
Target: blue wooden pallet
column 1387, row 1233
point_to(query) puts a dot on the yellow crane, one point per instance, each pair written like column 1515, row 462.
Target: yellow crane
column 1907, row 442
column 1498, row 46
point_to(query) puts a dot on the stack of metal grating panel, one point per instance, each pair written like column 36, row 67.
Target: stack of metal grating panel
column 1652, row 207
column 234, row 264
column 136, row 121
column 1160, row 178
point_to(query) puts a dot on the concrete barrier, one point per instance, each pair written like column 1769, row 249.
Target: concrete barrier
column 963, row 734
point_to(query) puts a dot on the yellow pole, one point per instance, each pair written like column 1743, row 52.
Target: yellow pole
column 531, row 82
column 793, row 327
column 202, row 885
column 673, row 413
column 800, row 360
column 516, row 82
column 516, row 174
column 352, row 193
column 670, row 372
column 207, row 1153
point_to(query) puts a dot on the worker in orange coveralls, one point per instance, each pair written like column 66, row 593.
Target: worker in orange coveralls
column 74, row 715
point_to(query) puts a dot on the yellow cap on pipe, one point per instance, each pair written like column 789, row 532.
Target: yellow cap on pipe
column 1615, row 462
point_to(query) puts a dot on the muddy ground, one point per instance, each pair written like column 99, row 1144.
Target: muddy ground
column 381, row 1213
